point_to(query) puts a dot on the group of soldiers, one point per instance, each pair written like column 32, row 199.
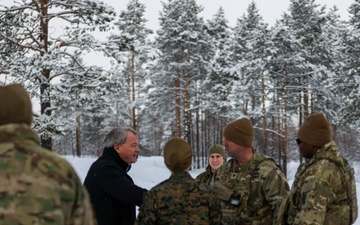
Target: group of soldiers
column 39, row 187
column 252, row 189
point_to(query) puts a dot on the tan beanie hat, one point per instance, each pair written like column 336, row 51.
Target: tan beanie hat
column 216, row 149
column 177, row 154
column 315, row 130
column 240, row 131
column 15, row 105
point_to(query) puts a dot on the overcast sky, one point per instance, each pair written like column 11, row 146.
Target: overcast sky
column 270, row 10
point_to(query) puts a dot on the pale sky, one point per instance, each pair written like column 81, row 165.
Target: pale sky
column 270, row 10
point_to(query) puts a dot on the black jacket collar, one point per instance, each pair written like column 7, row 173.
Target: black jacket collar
column 111, row 153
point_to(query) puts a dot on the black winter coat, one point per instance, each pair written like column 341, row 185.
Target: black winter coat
column 112, row 191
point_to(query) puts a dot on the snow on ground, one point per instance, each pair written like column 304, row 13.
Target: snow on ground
column 149, row 171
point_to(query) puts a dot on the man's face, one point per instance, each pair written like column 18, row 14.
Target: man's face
column 305, row 149
column 231, row 148
column 129, row 150
column 215, row 161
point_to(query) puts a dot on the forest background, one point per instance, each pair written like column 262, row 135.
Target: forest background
column 189, row 78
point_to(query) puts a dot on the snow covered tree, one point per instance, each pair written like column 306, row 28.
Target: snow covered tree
column 249, row 51
column 50, row 54
column 184, row 59
column 283, row 99
column 349, row 82
column 130, row 48
column 345, row 84
column 213, row 91
column 250, row 60
column 302, row 67
column 218, row 82
column 308, row 26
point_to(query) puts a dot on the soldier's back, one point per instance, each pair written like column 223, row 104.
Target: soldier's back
column 37, row 186
column 180, row 200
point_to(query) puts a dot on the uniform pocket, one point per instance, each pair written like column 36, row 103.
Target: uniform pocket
column 305, row 189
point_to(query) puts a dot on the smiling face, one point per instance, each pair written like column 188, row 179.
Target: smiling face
column 215, row 161
column 129, row 150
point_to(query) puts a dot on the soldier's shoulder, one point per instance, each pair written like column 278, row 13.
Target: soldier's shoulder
column 224, row 167
column 322, row 165
column 204, row 187
column 33, row 159
column 201, row 175
column 323, row 168
column 266, row 163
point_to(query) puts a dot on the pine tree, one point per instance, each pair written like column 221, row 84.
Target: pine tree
column 308, row 24
column 131, row 48
column 214, row 92
column 218, row 83
column 350, row 79
column 50, row 56
column 302, row 67
column 183, row 62
column 250, row 53
column 283, row 101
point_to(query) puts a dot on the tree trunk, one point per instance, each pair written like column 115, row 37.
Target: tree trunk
column 187, row 112
column 177, row 105
column 264, row 137
column 78, row 135
column 45, row 104
column 284, row 153
column 197, row 121
column 205, row 128
column 133, row 113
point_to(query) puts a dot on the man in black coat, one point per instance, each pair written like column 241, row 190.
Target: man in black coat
column 112, row 191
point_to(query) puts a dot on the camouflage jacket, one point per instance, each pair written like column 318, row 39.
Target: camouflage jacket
column 319, row 194
column 260, row 186
column 37, row 186
column 180, row 200
column 205, row 176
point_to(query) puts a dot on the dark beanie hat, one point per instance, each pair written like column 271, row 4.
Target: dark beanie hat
column 315, row 130
column 15, row 105
column 216, row 149
column 240, row 131
column 177, row 154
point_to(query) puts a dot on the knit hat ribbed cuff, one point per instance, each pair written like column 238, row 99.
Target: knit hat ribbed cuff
column 216, row 149
column 240, row 132
column 177, row 154
column 15, row 105
column 315, row 130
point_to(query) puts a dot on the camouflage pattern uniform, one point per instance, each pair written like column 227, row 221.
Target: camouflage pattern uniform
column 205, row 177
column 260, row 185
column 319, row 194
column 37, row 186
column 180, row 200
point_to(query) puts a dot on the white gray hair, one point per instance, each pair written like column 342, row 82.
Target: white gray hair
column 118, row 136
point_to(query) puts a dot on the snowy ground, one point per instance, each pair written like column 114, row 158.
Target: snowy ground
column 149, row 171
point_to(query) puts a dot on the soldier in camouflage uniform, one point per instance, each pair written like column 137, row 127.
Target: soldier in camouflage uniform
column 36, row 186
column 216, row 156
column 180, row 199
column 250, row 185
column 324, row 190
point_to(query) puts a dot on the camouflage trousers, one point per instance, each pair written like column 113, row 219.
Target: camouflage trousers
column 230, row 217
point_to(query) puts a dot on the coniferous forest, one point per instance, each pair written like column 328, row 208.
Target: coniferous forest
column 189, row 80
